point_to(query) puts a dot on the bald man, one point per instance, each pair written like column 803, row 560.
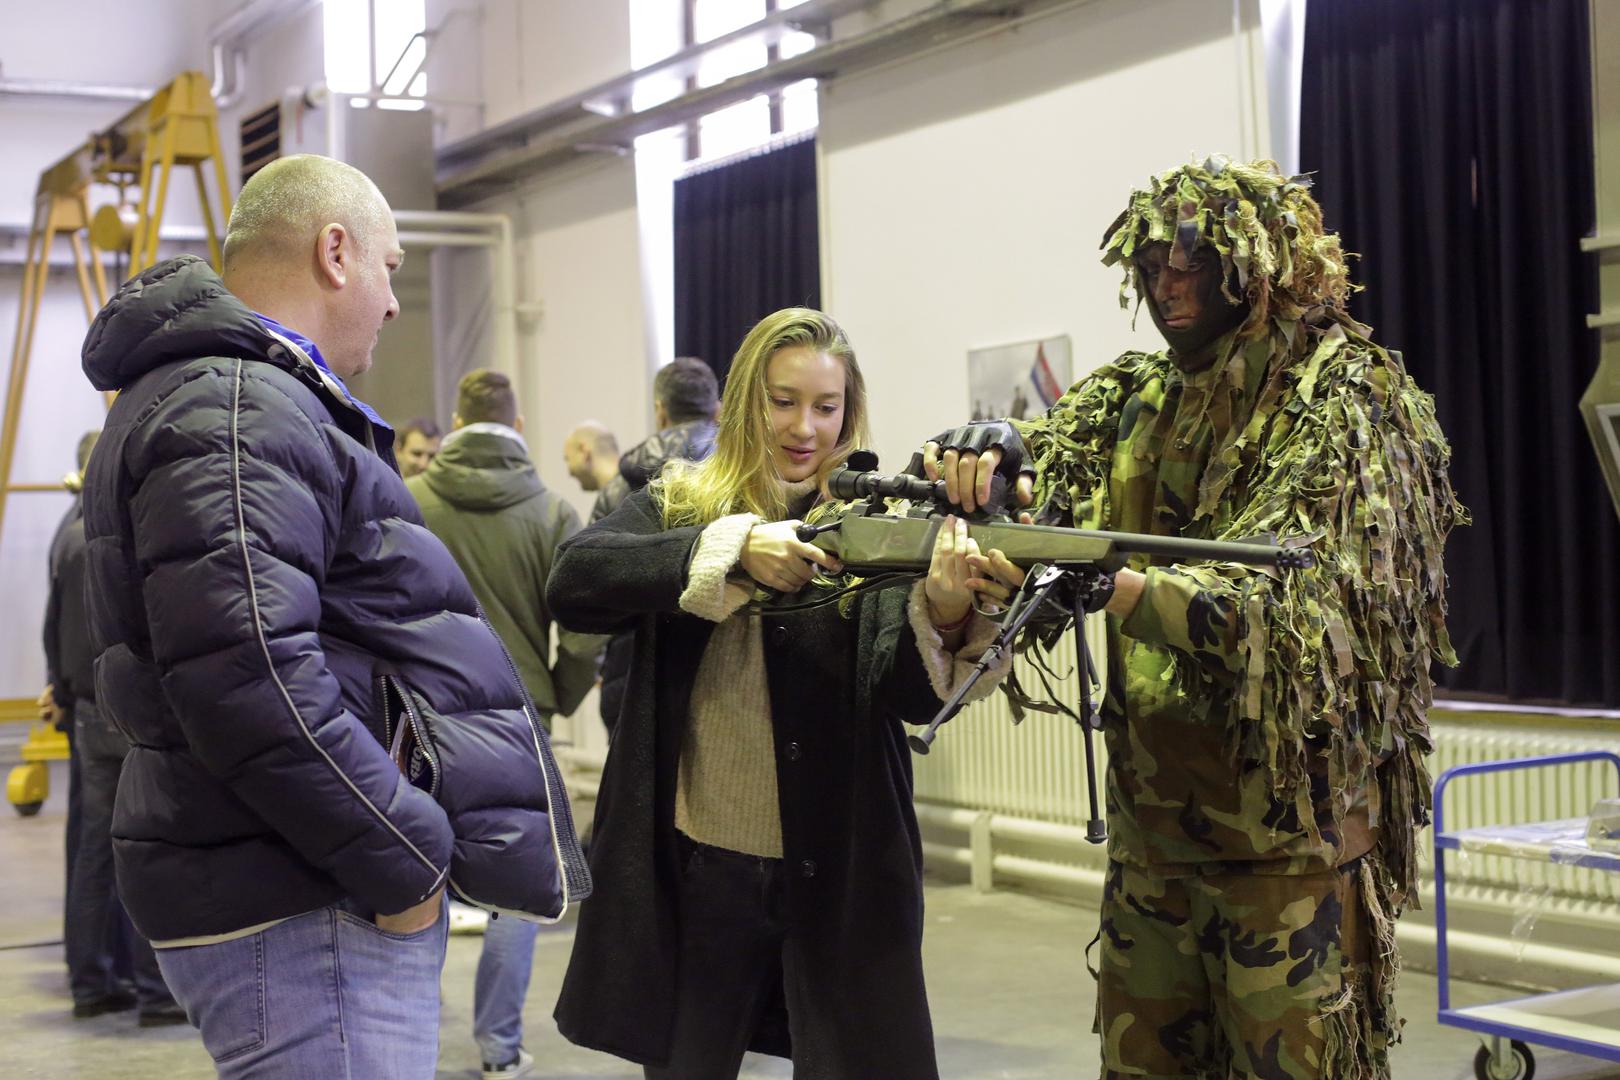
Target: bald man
column 325, row 730
column 592, row 455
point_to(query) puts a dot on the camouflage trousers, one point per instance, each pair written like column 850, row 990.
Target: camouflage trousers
column 1242, row 975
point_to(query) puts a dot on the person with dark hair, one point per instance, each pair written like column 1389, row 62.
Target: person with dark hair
column 686, row 398
column 418, row 442
column 1266, row 729
column 484, row 499
column 327, row 734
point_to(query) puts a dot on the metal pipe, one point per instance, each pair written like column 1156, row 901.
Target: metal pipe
column 79, row 91
column 573, row 755
column 1478, row 946
column 449, row 219
column 225, row 37
column 556, row 133
column 1017, row 866
column 411, row 238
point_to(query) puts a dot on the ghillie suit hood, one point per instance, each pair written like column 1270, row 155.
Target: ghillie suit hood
column 1265, row 226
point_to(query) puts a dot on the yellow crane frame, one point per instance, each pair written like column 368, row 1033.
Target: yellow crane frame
column 177, row 126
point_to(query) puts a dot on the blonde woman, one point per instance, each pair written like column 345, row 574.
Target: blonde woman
column 759, row 875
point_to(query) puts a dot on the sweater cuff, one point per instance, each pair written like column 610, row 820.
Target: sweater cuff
column 946, row 669
column 709, row 593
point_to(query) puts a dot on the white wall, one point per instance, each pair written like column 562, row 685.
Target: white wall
column 964, row 194
column 583, row 355
column 582, row 351
column 52, row 42
column 492, row 60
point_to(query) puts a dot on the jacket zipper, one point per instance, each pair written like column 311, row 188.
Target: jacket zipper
column 418, row 727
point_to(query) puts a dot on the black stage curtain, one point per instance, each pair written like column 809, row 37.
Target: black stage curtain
column 1452, row 146
column 747, row 243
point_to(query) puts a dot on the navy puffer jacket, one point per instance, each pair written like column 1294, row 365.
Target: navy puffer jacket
column 269, row 612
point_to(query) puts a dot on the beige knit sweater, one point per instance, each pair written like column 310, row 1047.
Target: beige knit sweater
column 725, row 792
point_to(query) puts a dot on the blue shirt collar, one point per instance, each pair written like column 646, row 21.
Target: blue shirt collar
column 319, row 361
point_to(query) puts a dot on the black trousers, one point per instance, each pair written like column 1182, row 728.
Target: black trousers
column 95, row 919
column 733, row 964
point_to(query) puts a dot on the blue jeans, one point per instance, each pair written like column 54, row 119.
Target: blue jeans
column 501, row 986
column 324, row 994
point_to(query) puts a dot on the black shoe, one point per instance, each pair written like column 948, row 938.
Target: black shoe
column 162, row 1015
column 110, row 1003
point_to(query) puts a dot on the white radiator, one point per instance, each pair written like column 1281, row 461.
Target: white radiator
column 1036, row 770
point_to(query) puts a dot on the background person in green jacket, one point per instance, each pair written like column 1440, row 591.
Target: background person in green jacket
column 483, row 498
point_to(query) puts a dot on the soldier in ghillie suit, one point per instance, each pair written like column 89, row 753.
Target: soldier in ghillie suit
column 1266, row 729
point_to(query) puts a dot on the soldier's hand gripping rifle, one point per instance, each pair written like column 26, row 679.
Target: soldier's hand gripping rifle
column 1070, row 572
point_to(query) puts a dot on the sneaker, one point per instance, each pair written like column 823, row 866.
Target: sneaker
column 107, row 1003
column 466, row 919
column 163, row 1015
column 521, row 1065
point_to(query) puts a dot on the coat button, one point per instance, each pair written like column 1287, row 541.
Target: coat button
column 793, row 752
column 779, row 635
column 808, row 868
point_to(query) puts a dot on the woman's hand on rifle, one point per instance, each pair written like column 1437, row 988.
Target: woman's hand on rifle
column 776, row 558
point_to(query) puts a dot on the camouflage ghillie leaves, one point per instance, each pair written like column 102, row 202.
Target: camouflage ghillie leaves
column 1265, row 226
column 1255, row 715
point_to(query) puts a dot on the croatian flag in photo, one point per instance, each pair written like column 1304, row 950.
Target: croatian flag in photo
column 1046, row 384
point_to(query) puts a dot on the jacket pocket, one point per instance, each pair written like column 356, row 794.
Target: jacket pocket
column 408, row 734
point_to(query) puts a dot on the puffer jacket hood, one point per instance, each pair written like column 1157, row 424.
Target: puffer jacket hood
column 175, row 310
column 483, row 468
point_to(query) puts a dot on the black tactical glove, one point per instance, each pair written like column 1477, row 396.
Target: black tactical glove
column 983, row 435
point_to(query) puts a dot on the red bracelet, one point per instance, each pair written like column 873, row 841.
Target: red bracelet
column 951, row 627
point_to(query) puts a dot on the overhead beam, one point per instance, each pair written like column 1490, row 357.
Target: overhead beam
column 947, row 22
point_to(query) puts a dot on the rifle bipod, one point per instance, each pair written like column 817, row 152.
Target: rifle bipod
column 1077, row 591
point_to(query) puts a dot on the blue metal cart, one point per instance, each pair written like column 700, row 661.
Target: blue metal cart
column 1584, row 1021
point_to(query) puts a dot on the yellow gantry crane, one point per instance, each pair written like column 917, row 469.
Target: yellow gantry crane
column 177, row 126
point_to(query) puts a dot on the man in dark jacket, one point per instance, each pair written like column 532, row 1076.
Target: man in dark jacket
column 325, row 733
column 99, row 942
column 482, row 497
column 55, row 702
column 686, row 396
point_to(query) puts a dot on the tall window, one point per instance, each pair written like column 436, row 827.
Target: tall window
column 759, row 119
column 374, row 51
column 661, row 28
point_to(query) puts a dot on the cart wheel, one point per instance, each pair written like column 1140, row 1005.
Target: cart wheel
column 28, row 809
column 1524, row 1064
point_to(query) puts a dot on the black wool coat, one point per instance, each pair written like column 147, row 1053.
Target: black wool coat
column 840, row 687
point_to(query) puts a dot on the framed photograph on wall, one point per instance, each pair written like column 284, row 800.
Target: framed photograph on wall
column 1018, row 381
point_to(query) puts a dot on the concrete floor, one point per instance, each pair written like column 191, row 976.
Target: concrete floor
column 1010, row 995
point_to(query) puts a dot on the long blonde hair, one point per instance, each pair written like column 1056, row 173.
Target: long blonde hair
column 741, row 475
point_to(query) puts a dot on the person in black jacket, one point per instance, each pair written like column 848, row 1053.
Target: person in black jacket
column 325, row 733
column 759, row 858
column 98, row 941
column 55, row 702
column 686, row 397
